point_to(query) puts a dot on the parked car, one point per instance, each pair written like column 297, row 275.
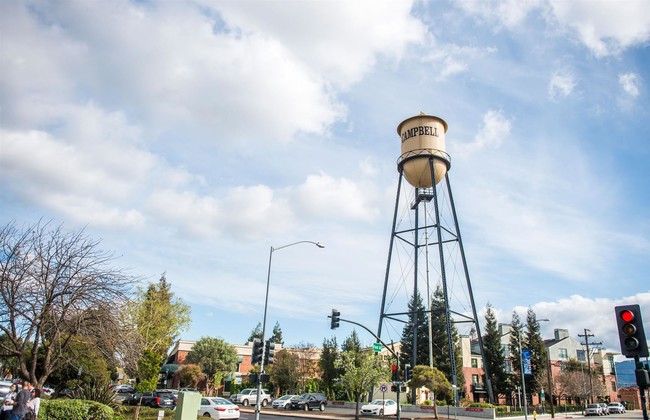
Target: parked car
column 594, row 410
column 155, row 399
column 380, row 408
column 604, row 407
column 309, row 402
column 47, row 390
column 124, row 389
column 5, row 387
column 218, row 408
column 248, row 396
column 615, row 408
column 283, row 401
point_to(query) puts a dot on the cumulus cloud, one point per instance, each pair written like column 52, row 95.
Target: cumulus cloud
column 454, row 59
column 561, row 85
column 607, row 29
column 630, row 82
column 509, row 13
column 495, row 127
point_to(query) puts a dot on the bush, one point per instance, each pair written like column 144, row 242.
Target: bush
column 426, row 402
column 481, row 405
column 65, row 409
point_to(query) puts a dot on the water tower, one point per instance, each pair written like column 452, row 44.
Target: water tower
column 426, row 239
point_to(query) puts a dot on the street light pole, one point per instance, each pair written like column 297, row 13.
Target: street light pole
column 266, row 305
column 523, row 378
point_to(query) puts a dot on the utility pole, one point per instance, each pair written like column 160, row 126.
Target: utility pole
column 586, row 335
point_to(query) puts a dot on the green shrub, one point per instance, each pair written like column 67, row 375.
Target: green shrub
column 481, row 405
column 100, row 393
column 426, row 402
column 66, row 409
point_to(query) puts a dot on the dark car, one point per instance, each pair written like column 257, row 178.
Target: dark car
column 309, row 402
column 155, row 399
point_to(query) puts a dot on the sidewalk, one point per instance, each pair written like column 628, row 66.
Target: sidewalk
column 338, row 413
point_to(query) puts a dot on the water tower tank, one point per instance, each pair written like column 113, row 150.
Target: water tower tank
column 423, row 137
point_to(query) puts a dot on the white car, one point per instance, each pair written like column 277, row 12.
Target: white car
column 218, row 408
column 594, row 410
column 616, row 408
column 282, row 402
column 380, row 408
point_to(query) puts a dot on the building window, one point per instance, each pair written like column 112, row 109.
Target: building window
column 563, row 354
column 613, row 385
column 475, row 379
column 474, row 362
column 581, row 355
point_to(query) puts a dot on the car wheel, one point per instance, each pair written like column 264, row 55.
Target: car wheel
column 264, row 403
column 322, row 407
column 306, row 407
column 244, row 403
column 206, row 414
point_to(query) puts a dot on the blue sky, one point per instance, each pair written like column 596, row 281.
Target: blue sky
column 193, row 136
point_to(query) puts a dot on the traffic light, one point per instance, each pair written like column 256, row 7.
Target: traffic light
column 269, row 352
column 336, row 319
column 630, row 331
column 258, row 350
column 394, row 373
column 407, row 373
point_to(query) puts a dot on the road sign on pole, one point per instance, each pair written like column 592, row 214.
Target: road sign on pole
column 376, row 347
column 383, row 388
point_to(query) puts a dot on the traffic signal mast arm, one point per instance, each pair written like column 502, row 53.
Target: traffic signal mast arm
column 371, row 333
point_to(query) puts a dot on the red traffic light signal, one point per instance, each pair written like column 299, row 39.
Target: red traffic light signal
column 630, row 331
column 394, row 373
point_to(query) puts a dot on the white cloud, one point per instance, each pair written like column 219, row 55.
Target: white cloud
column 509, row 13
column 605, row 27
column 578, row 312
column 561, row 85
column 630, row 82
column 495, row 127
column 455, row 59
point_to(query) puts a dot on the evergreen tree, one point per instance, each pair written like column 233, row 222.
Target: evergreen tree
column 159, row 320
column 535, row 344
column 327, row 363
column 416, row 314
column 494, row 357
column 352, row 343
column 256, row 333
column 516, row 330
column 441, row 357
column 277, row 334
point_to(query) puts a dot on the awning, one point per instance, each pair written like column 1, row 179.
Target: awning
column 169, row 367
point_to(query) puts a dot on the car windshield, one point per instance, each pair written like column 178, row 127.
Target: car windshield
column 377, row 402
column 592, row 406
column 285, row 397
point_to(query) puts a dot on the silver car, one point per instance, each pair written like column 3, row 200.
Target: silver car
column 282, row 402
column 615, row 408
column 594, row 410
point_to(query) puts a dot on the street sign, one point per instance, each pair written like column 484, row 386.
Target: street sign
column 376, row 347
column 383, row 388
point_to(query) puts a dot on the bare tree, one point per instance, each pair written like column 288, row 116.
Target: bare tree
column 55, row 288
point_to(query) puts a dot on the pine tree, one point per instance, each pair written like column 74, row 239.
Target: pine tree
column 416, row 313
column 515, row 362
column 441, row 357
column 327, row 363
column 494, row 357
column 277, row 334
column 535, row 344
column 352, row 343
column 256, row 333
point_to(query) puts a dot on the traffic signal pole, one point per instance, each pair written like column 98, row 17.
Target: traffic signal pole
column 335, row 323
column 642, row 386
